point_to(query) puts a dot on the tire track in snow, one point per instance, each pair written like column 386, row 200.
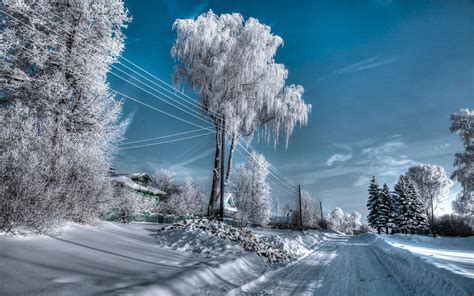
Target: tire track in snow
column 345, row 265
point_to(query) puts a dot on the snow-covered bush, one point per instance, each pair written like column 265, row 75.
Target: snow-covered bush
column 252, row 191
column 126, row 203
column 181, row 199
column 59, row 120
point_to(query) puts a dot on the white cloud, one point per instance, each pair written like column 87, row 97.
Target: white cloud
column 338, row 158
column 361, row 181
column 384, row 148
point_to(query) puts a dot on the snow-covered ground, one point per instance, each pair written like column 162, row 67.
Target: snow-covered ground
column 444, row 265
column 138, row 259
column 373, row 265
column 126, row 259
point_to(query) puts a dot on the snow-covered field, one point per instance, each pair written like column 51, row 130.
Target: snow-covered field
column 138, row 259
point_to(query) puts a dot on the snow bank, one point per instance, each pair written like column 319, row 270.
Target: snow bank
column 296, row 243
column 193, row 235
column 438, row 266
column 115, row 258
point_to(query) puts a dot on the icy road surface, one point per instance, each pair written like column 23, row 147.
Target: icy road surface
column 345, row 265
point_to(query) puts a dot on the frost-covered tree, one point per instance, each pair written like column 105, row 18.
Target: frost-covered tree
column 186, row 198
column 463, row 125
column 386, row 210
column 433, row 185
column 373, row 203
column 251, row 189
column 351, row 222
column 60, row 120
column 126, row 203
column 348, row 223
column 310, row 209
column 336, row 219
column 166, row 180
column 230, row 63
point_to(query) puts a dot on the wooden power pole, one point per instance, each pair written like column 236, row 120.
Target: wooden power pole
column 433, row 231
column 301, row 212
column 222, row 169
column 322, row 217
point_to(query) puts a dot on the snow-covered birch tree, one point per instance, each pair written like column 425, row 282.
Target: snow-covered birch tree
column 251, row 189
column 463, row 125
column 433, row 185
column 230, row 63
column 60, row 120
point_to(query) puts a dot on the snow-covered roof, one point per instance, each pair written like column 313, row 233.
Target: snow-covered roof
column 126, row 180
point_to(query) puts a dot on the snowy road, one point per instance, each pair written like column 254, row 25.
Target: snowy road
column 345, row 265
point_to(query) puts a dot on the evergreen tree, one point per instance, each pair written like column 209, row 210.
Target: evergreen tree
column 418, row 219
column 373, row 204
column 401, row 195
column 386, row 210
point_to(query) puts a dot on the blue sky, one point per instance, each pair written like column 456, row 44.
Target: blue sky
column 382, row 77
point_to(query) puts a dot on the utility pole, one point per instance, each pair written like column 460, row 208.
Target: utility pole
column 322, row 217
column 301, row 212
column 432, row 218
column 222, row 168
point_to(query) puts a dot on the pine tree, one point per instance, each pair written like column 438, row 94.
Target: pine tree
column 373, row 203
column 411, row 216
column 401, row 195
column 418, row 219
column 386, row 210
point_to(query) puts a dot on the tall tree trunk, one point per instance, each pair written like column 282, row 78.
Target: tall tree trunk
column 71, row 85
column 215, row 175
column 230, row 158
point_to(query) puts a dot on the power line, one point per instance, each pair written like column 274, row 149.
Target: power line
column 161, row 137
column 192, row 102
column 176, row 117
column 165, row 142
column 274, row 169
